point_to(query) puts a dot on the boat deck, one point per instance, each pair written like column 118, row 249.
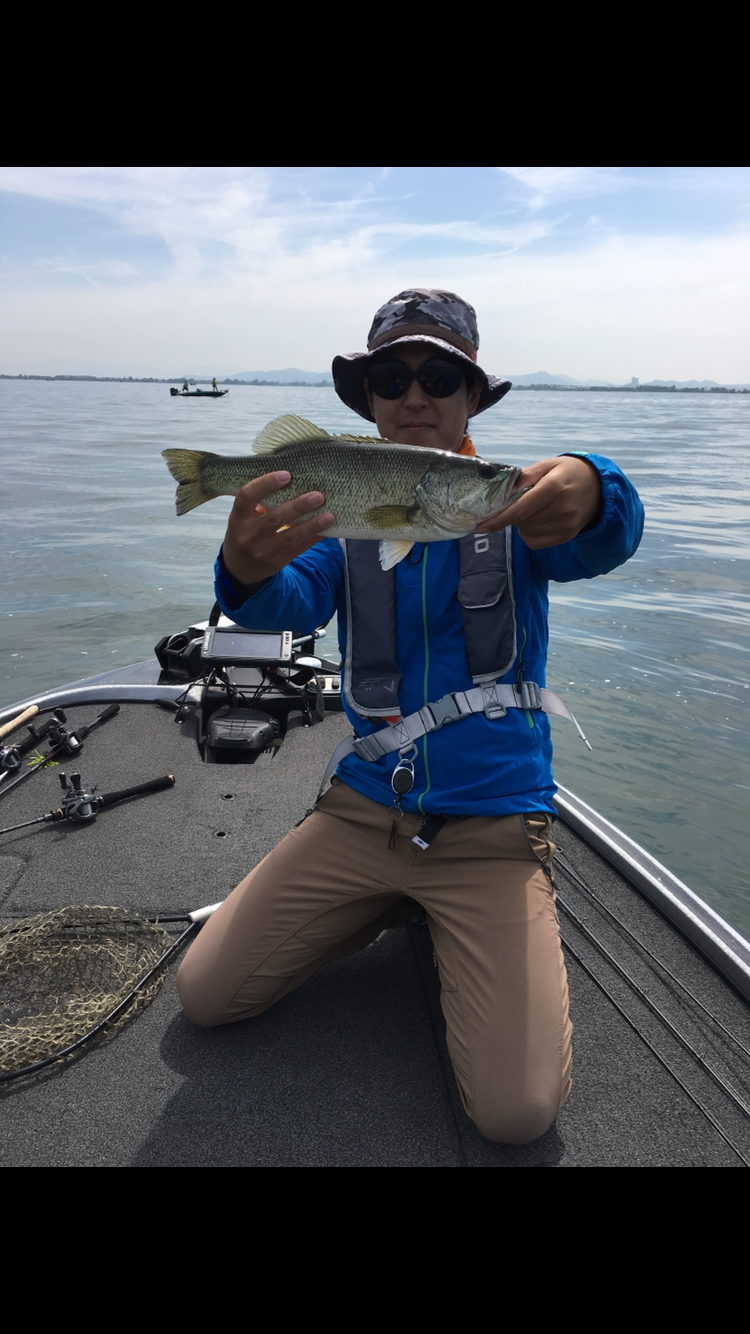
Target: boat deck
column 351, row 1070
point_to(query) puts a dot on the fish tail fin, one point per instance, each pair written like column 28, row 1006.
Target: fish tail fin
column 186, row 466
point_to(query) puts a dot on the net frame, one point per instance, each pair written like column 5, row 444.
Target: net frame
column 71, row 974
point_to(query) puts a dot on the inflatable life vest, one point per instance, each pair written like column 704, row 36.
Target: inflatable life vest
column 371, row 673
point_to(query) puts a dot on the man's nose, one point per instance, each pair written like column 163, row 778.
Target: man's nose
column 415, row 396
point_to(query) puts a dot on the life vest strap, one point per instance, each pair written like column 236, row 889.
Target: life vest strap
column 492, row 699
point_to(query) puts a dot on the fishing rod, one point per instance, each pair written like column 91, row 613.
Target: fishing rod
column 82, row 807
column 31, row 712
column 63, row 741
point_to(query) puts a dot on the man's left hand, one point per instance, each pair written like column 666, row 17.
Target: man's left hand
column 566, row 497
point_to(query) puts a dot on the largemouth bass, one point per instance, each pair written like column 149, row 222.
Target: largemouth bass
column 399, row 494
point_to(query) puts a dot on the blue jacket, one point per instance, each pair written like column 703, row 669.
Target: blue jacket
column 474, row 767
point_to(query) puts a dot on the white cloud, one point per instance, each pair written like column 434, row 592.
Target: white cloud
column 550, row 184
column 268, row 273
column 236, row 207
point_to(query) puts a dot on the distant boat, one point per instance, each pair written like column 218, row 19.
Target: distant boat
column 198, row 393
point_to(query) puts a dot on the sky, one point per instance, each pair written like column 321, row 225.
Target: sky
column 593, row 272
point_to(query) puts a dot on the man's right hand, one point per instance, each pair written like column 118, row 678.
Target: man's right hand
column 254, row 549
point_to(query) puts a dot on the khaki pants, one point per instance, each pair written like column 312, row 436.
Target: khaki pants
column 333, row 884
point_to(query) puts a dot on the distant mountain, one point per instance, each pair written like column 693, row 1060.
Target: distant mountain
column 544, row 377
column 287, row 376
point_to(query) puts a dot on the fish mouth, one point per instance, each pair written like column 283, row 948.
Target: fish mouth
column 496, row 489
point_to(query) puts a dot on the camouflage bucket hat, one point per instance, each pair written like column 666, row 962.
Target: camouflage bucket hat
column 418, row 315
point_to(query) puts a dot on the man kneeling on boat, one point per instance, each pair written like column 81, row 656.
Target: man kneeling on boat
column 457, row 818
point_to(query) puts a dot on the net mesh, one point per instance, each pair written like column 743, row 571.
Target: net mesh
column 63, row 972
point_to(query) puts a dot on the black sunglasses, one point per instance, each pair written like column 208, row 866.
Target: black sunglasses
column 439, row 379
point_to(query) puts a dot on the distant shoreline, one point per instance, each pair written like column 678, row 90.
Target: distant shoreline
column 629, row 389
column 325, row 384
column 173, row 379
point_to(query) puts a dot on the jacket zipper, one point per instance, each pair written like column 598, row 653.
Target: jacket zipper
column 425, row 760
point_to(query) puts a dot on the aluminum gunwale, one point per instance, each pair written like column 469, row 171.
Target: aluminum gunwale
column 719, row 942
column 139, row 681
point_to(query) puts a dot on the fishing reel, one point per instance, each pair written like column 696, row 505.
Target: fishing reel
column 77, row 805
column 63, row 738
column 11, row 757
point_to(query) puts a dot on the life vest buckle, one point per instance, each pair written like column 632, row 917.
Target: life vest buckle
column 444, row 710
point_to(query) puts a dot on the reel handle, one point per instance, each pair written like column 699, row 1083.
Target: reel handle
column 37, row 731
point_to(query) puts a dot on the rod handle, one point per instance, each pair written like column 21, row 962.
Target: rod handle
column 155, row 785
column 82, row 732
column 31, row 712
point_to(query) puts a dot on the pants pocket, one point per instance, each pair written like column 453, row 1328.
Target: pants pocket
column 537, row 827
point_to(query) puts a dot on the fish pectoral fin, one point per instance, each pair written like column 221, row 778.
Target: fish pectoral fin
column 186, row 466
column 391, row 516
column 392, row 552
column 288, row 430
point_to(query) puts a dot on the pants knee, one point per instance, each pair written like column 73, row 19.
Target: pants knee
column 505, row 1117
column 521, row 1125
column 194, row 1002
column 210, row 1011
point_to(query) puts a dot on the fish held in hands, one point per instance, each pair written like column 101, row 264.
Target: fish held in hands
column 378, row 490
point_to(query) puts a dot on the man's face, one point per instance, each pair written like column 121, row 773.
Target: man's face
column 416, row 418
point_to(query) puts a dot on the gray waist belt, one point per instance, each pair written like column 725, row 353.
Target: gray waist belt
column 492, row 700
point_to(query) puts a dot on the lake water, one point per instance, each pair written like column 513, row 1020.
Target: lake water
column 654, row 658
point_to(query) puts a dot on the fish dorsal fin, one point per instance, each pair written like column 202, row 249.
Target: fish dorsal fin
column 288, row 430
column 365, row 439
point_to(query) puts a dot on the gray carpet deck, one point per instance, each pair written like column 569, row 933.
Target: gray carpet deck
column 351, row 1070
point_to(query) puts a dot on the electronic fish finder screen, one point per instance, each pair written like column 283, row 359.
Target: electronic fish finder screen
column 239, row 648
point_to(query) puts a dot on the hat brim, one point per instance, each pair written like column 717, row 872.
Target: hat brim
column 350, row 371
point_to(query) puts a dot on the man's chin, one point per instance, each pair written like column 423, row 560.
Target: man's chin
column 426, row 438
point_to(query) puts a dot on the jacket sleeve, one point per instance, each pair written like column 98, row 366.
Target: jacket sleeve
column 300, row 597
column 614, row 540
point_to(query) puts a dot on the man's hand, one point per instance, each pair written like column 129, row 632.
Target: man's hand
column 254, row 549
column 566, row 497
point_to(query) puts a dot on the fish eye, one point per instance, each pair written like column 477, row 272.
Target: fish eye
column 487, row 470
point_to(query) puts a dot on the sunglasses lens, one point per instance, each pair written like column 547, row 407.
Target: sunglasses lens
column 390, row 379
column 440, row 379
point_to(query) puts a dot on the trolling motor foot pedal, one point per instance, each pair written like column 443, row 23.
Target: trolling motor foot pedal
column 240, row 736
